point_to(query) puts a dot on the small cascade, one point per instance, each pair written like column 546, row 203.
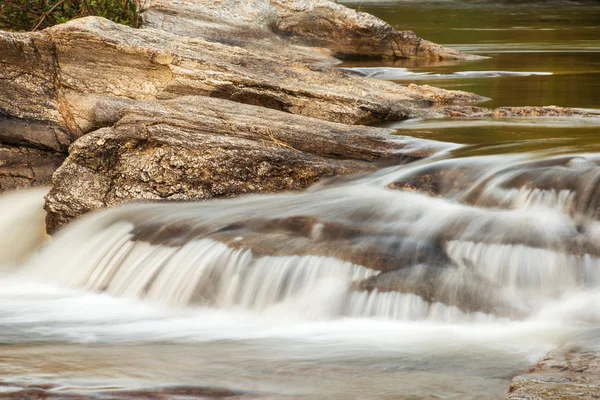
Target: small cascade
column 22, row 224
column 201, row 272
column 532, row 270
column 563, row 200
column 452, row 240
column 408, row 307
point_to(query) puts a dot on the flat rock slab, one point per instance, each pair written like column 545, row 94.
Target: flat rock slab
column 564, row 374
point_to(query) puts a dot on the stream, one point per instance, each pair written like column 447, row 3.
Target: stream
column 268, row 295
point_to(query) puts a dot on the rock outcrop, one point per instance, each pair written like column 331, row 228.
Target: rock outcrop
column 569, row 372
column 209, row 99
column 69, row 80
column 344, row 32
column 194, row 148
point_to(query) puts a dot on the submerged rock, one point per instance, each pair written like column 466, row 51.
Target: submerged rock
column 51, row 392
column 569, row 183
column 456, row 287
column 467, row 111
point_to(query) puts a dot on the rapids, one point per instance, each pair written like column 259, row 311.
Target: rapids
column 478, row 280
column 439, row 279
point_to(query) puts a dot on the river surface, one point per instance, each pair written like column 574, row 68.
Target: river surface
column 497, row 237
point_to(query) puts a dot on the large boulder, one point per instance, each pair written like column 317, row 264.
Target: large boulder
column 350, row 34
column 194, row 148
column 345, row 32
column 72, row 79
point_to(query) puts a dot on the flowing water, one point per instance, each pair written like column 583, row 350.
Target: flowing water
column 440, row 279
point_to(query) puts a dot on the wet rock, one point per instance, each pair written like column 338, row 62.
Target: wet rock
column 442, row 179
column 197, row 148
column 548, row 111
column 371, row 248
column 457, row 287
column 569, row 183
column 565, row 373
column 301, row 235
column 468, row 111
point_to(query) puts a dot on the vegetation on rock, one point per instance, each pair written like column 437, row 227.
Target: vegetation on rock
column 31, row 15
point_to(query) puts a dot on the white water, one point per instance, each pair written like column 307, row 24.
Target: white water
column 402, row 74
column 241, row 319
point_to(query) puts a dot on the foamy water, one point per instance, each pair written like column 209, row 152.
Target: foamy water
column 220, row 313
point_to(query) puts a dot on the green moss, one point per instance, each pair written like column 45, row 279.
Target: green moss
column 30, row 15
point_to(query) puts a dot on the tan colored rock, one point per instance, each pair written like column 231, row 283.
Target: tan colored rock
column 567, row 373
column 45, row 70
column 547, row 111
column 71, row 79
column 320, row 23
column 22, row 167
column 159, row 65
column 196, row 148
column 28, row 77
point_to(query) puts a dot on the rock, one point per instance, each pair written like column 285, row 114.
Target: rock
column 548, row 111
column 447, row 178
column 485, row 183
column 467, row 111
column 71, row 79
column 162, row 83
column 22, row 167
column 194, row 148
column 569, row 372
column 456, row 287
column 348, row 33
column 28, row 78
column 321, row 23
column 45, row 136
column 46, row 73
column 159, row 65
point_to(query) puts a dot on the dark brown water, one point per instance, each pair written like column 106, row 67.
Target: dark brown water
column 554, row 46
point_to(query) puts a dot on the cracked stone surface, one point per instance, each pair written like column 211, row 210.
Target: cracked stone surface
column 194, row 148
column 291, row 118
column 567, row 373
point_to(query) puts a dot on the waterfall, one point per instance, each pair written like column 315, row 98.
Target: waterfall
column 485, row 250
